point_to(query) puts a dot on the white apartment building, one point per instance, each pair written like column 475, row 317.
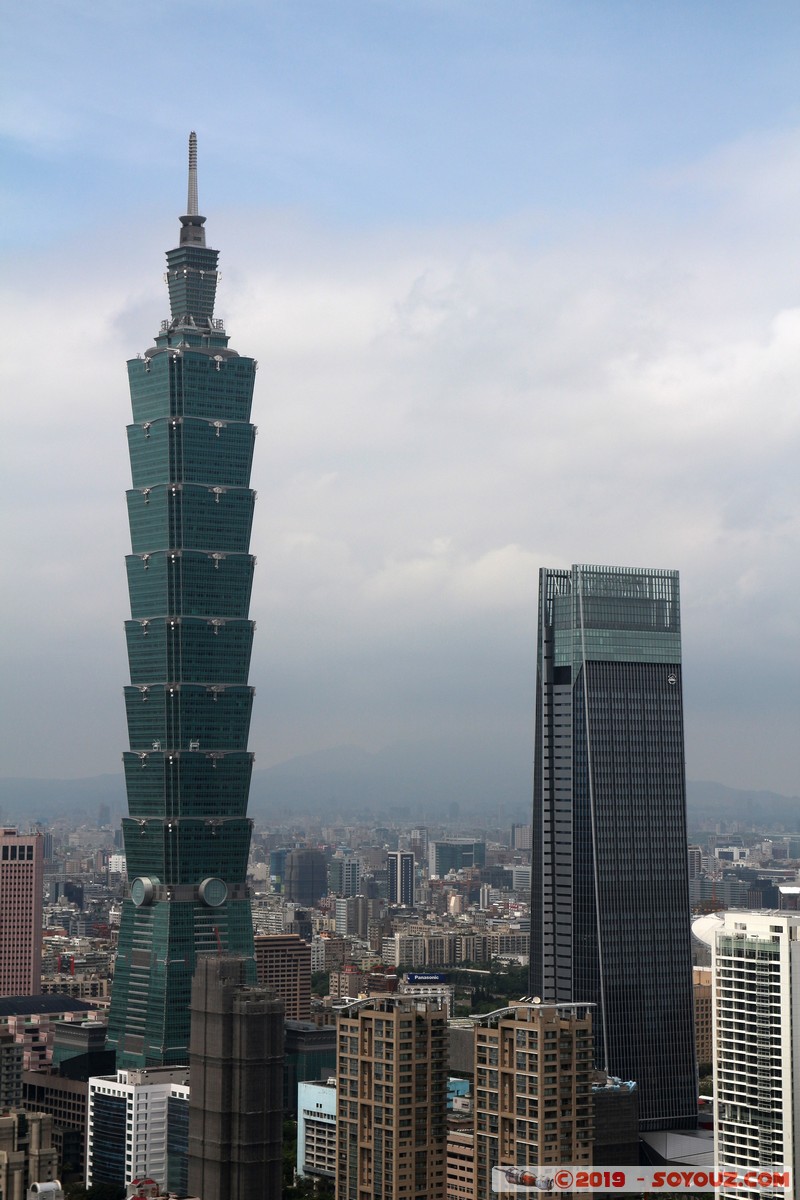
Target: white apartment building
column 756, row 1006
column 129, row 1123
column 316, row 1129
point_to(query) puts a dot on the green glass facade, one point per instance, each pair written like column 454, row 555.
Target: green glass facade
column 189, row 639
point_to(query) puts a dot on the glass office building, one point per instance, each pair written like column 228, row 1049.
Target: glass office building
column 190, row 574
column 610, row 903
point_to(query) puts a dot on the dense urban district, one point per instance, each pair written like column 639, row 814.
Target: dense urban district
column 192, row 1004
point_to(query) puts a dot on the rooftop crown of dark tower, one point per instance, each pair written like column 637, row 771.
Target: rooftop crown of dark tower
column 192, row 267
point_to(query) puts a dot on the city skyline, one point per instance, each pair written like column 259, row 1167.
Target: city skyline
column 467, row 247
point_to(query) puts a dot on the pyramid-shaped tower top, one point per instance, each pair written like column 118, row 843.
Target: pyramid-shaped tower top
column 192, row 266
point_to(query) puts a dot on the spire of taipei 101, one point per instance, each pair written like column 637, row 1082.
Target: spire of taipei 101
column 190, row 574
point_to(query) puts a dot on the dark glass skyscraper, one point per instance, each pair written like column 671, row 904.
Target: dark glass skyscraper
column 401, row 877
column 189, row 639
column 610, row 902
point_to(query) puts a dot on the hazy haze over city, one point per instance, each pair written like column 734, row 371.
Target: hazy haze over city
column 523, row 281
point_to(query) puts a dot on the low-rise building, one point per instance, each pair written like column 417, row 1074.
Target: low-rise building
column 27, row 1154
column 128, row 1123
column 316, row 1129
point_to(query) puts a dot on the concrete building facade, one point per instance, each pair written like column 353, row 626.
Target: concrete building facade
column 67, row 1102
column 755, row 963
column 316, row 1129
column 460, row 1165
column 305, row 877
column 283, row 964
column 128, row 1124
column 401, row 877
column 21, row 881
column 533, row 1088
column 392, row 1100
column 344, row 874
column 27, row 1154
column 11, row 1064
column 703, row 1014
column 236, row 1073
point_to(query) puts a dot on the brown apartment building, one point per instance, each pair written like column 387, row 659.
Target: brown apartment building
column 283, row 962
column 533, row 1088
column 392, row 1099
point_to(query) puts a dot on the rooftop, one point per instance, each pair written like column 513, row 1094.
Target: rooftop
column 23, row 1006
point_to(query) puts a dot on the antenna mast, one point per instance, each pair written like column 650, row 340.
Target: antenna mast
column 192, row 209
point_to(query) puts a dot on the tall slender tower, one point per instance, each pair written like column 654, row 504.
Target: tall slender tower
column 610, row 892
column 189, row 639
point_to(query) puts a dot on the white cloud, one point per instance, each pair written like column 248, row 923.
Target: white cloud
column 440, row 414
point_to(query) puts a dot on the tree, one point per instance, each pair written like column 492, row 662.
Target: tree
column 320, row 983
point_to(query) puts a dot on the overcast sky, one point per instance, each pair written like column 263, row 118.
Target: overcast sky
column 523, row 281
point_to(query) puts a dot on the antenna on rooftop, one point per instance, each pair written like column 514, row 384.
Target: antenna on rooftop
column 191, row 205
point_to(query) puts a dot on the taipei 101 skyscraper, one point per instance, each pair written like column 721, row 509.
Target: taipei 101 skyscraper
column 190, row 573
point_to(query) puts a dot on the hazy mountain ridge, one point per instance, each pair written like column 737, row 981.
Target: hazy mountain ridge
column 710, row 801
column 405, row 781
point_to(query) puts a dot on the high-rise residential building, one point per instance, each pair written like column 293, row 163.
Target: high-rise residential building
column 533, row 1088
column 344, row 874
column 755, row 963
column 418, row 840
column 703, row 1014
column 391, row 1100
column 351, row 916
column 189, row 638
column 520, row 878
column 401, row 878
column 521, row 837
column 236, row 1103
column 461, row 1164
column 349, row 983
column 283, row 963
column 21, row 881
column 609, row 902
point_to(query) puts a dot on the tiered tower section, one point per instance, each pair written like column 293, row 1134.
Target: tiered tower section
column 190, row 574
